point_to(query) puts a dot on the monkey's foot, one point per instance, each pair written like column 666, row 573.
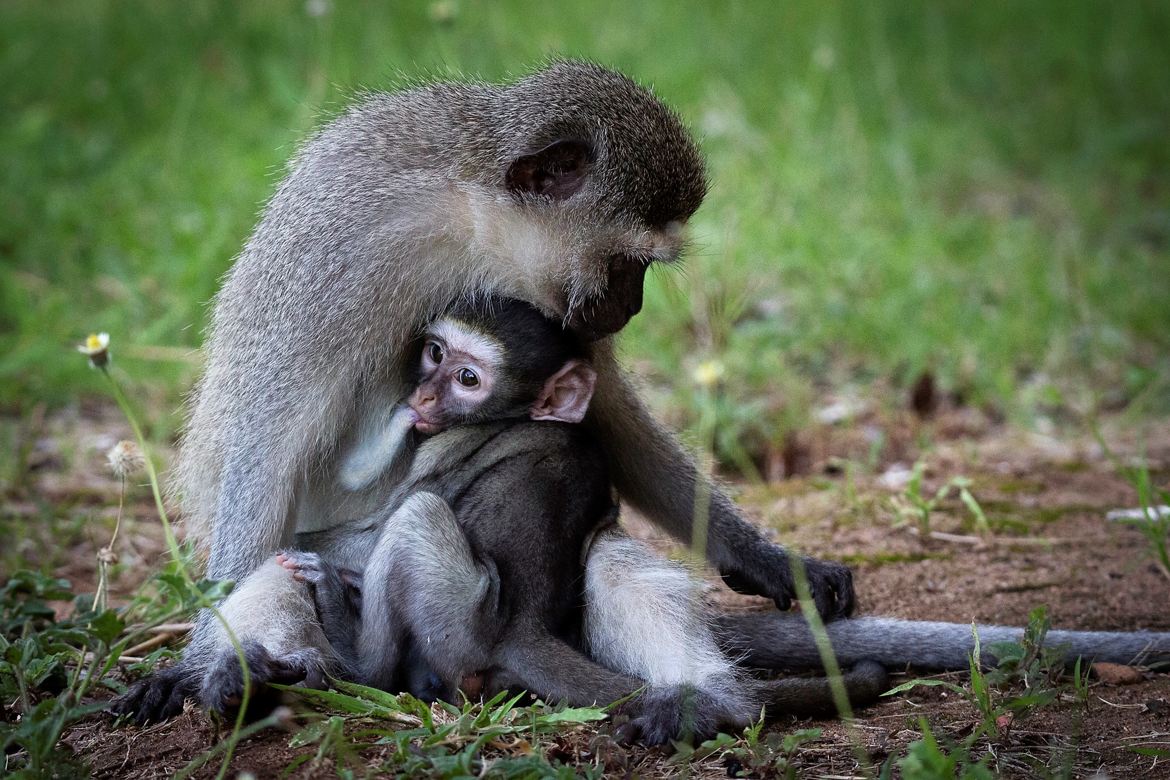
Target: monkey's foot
column 158, row 697
column 336, row 592
column 307, row 567
column 223, row 685
column 680, row 712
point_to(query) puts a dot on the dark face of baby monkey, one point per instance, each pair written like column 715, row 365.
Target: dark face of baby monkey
column 499, row 360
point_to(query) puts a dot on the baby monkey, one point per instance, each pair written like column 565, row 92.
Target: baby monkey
column 476, row 581
column 526, row 496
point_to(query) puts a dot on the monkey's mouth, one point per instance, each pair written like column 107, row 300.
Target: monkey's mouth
column 427, row 427
column 607, row 312
column 421, row 424
column 593, row 328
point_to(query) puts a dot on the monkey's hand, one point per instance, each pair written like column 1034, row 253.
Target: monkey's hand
column 831, row 584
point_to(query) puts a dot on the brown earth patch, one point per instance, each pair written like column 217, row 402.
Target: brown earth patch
column 1045, row 497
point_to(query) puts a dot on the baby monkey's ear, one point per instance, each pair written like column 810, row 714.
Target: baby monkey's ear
column 566, row 395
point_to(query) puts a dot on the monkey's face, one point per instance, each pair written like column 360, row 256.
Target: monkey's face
column 560, row 256
column 457, row 377
column 603, row 177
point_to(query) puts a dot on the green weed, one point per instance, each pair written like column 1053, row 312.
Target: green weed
column 926, row 759
column 496, row 739
column 994, row 693
column 915, row 506
column 772, row 755
column 51, row 668
column 1153, row 501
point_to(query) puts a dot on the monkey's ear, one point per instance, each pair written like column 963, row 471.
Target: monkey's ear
column 566, row 395
column 558, row 170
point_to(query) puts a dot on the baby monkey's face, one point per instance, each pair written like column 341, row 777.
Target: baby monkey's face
column 467, row 375
column 458, row 373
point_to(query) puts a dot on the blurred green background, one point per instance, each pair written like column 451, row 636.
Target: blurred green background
column 976, row 190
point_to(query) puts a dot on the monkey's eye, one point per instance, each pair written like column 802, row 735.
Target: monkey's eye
column 467, row 377
column 435, row 352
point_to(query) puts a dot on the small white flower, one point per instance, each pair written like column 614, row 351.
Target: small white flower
column 96, row 348
column 125, row 459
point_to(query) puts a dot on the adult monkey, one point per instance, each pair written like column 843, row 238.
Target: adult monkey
column 559, row 189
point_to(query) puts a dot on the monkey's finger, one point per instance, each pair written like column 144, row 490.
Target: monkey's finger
column 781, row 594
column 287, row 672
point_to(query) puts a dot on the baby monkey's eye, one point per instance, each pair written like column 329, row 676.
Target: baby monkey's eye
column 467, row 377
column 435, row 352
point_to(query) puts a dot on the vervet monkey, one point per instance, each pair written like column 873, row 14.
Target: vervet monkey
column 559, row 189
column 487, row 590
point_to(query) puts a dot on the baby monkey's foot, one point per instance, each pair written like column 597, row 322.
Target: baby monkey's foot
column 305, row 567
column 336, row 593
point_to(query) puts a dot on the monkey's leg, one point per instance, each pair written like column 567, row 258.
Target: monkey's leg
column 423, row 582
column 531, row 659
column 784, row 641
column 274, row 619
column 658, row 477
column 644, row 618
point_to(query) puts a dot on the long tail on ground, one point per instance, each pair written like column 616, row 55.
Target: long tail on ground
column 776, row 640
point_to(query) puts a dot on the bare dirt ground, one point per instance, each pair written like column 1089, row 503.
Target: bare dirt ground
column 1046, row 498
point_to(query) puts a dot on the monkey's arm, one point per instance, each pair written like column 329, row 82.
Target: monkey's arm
column 659, row 478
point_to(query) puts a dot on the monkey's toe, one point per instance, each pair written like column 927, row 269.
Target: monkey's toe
column 304, row 566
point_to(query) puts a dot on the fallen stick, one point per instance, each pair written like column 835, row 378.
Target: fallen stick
column 981, row 541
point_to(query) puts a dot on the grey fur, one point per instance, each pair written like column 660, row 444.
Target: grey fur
column 449, row 596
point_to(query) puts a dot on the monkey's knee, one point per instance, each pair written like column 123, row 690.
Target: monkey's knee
column 272, row 609
column 644, row 617
column 425, row 555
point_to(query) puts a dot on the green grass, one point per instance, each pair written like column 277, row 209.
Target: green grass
column 981, row 191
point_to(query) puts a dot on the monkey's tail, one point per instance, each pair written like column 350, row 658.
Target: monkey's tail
column 777, row 640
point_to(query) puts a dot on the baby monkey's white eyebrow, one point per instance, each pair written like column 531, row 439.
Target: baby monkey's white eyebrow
column 461, row 337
